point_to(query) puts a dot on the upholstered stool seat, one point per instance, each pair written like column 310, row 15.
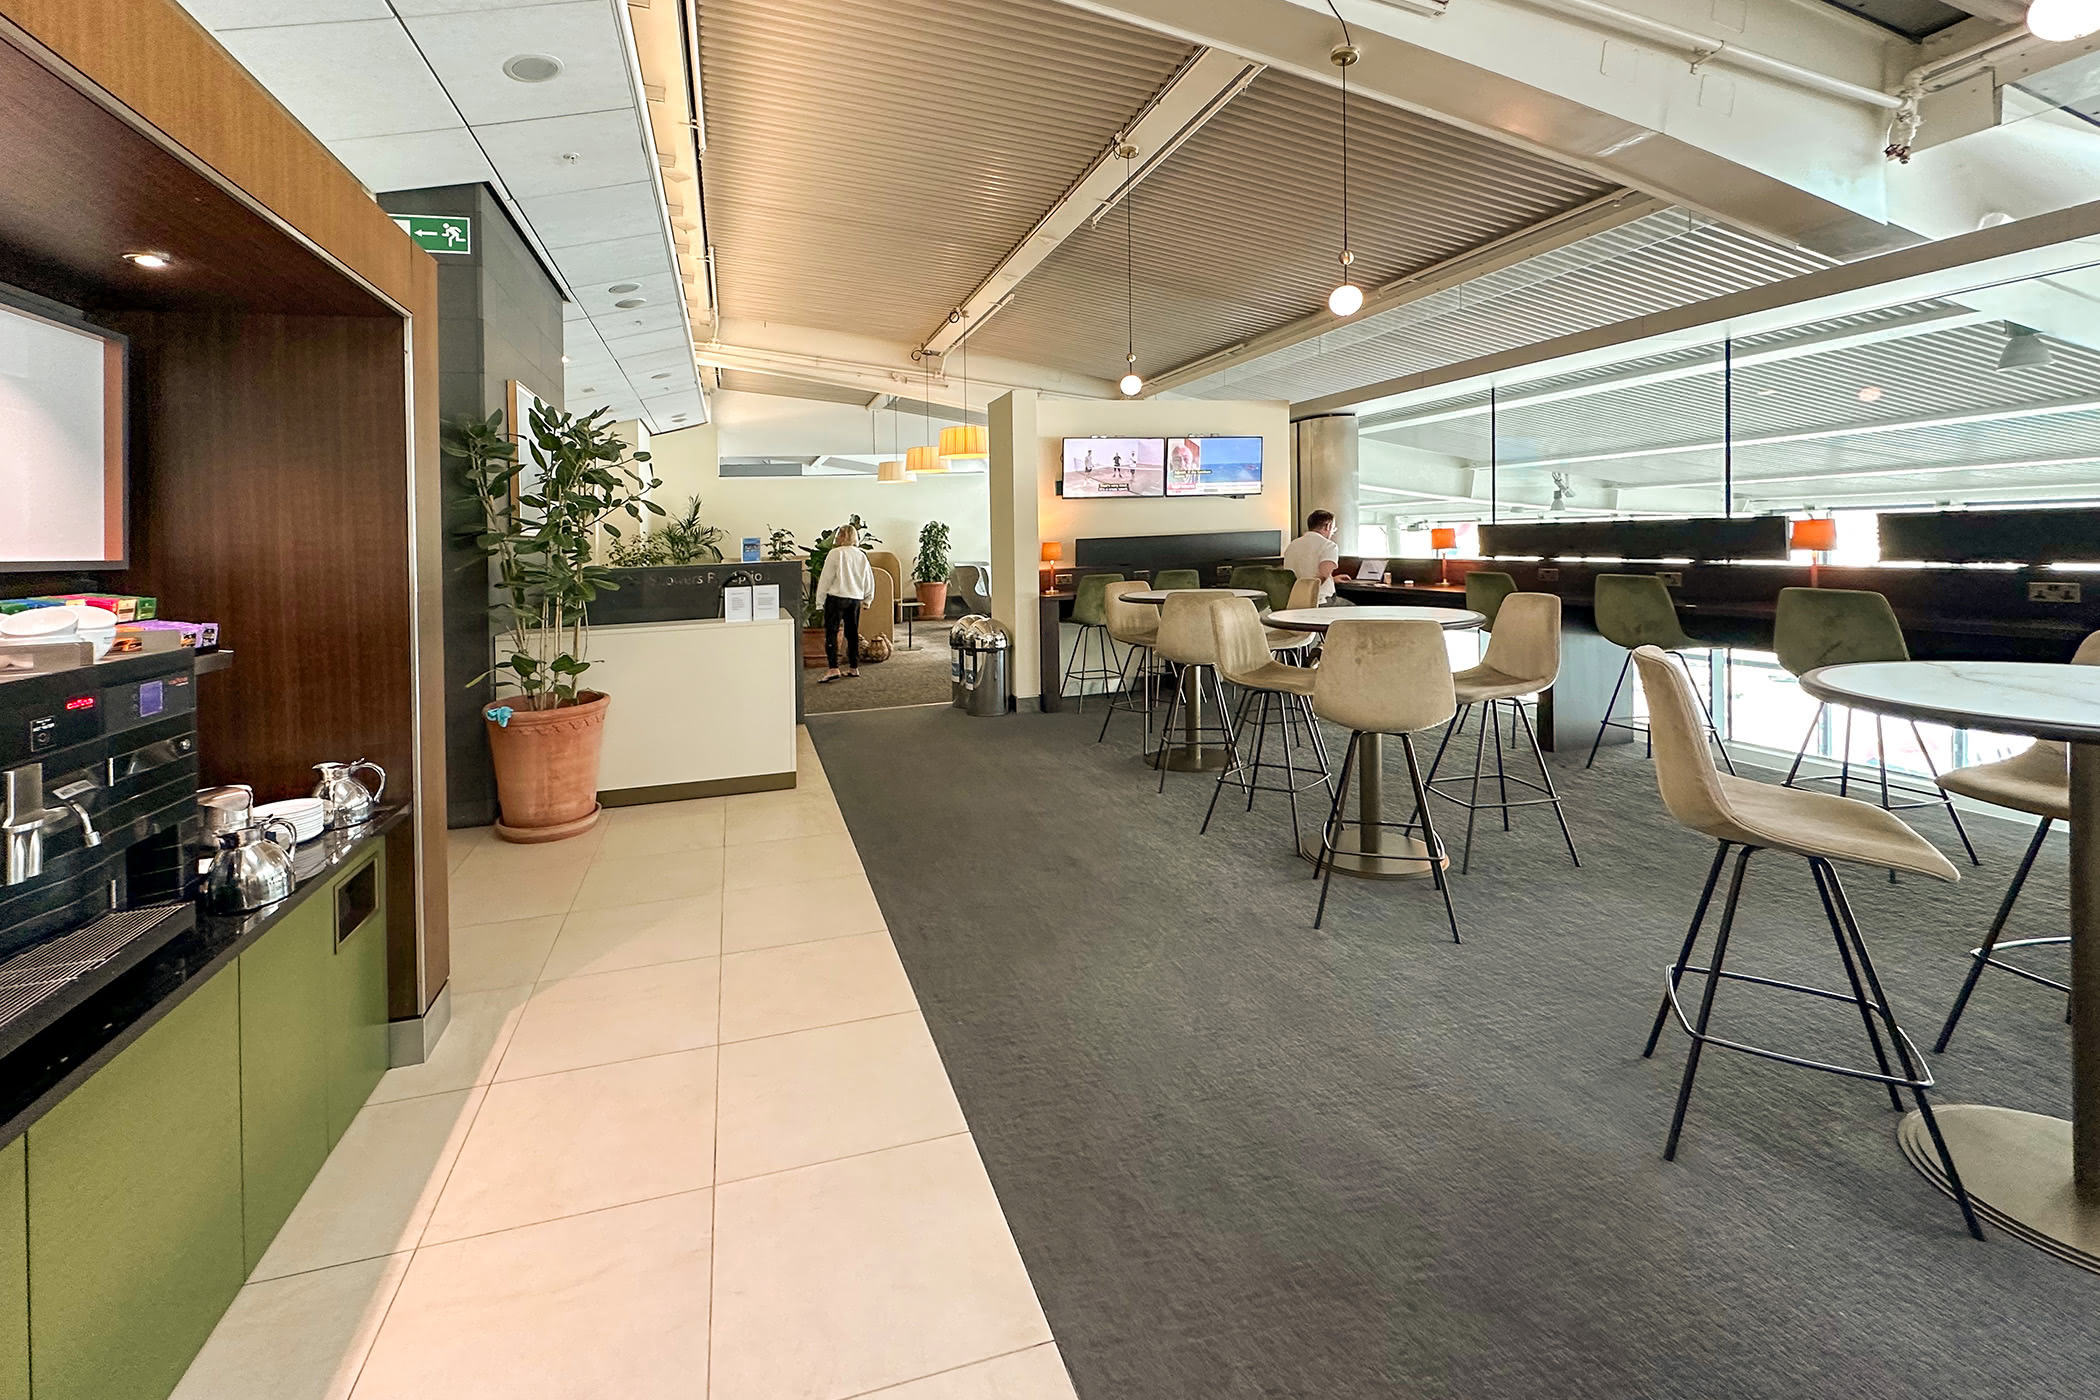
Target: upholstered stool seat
column 1171, row 580
column 1748, row 817
column 1186, row 640
column 1089, row 611
column 1485, row 590
column 1634, row 611
column 1296, row 645
column 1272, row 695
column 1136, row 627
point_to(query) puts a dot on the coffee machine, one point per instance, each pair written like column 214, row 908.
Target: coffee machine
column 98, row 773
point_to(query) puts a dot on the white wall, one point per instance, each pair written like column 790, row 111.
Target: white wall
column 749, row 425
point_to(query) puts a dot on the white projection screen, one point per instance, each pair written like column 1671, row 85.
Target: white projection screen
column 61, row 445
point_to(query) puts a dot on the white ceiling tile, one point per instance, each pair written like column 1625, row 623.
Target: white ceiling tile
column 414, row 160
column 469, row 48
column 254, row 14
column 592, row 216
column 553, row 155
column 654, row 289
column 616, row 260
column 654, row 317
column 343, row 81
column 647, row 341
column 648, row 362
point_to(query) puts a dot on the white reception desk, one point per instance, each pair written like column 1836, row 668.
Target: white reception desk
column 699, row 708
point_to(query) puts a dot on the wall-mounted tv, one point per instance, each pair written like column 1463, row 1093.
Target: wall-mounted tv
column 1102, row 468
column 61, row 444
column 1214, row 466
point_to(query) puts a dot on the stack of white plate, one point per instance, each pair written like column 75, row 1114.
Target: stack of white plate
column 305, row 814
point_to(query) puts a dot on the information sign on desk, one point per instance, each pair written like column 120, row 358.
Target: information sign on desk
column 765, row 602
column 737, row 604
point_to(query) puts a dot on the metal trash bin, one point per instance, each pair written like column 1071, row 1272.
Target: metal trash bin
column 979, row 651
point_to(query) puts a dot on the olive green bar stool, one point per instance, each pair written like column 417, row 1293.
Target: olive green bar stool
column 1634, row 611
column 1485, row 590
column 1090, row 611
column 1174, row 580
column 1835, row 627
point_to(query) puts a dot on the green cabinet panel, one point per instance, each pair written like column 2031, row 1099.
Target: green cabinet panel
column 357, row 1008
column 135, row 1246
column 14, row 1273
column 284, row 1068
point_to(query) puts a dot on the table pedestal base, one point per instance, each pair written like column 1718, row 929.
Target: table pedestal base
column 1181, row 758
column 2017, row 1168
column 1398, row 857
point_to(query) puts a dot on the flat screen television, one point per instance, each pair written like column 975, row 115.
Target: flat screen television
column 61, row 444
column 1214, row 466
column 1108, row 467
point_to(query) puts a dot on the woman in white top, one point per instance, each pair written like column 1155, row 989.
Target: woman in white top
column 846, row 586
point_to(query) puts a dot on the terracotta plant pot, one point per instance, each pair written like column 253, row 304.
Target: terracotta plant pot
column 547, row 769
column 933, row 601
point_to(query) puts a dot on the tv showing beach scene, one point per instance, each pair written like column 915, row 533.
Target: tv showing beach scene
column 1214, row 466
column 1113, row 466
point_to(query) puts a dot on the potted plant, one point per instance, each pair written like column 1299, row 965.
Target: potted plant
column 678, row 541
column 539, row 524
column 930, row 570
column 780, row 544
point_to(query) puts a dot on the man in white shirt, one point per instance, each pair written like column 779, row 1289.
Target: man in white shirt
column 1314, row 554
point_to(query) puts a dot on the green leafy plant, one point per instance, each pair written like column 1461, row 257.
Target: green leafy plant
column 687, row 541
column 780, row 544
column 932, row 563
column 539, row 524
column 643, row 551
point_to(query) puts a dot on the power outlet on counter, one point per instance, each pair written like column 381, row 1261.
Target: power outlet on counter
column 2053, row 592
column 1671, row 578
column 1549, row 576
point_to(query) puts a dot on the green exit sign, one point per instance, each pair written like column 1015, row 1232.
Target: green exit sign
column 438, row 233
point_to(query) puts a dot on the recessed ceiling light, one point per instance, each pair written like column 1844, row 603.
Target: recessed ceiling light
column 532, row 67
column 565, row 359
column 588, row 389
column 630, row 303
column 622, row 288
column 1870, row 393
column 156, row 261
column 665, row 375
column 678, row 418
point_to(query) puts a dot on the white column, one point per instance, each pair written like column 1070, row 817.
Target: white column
column 1016, row 541
column 1323, row 476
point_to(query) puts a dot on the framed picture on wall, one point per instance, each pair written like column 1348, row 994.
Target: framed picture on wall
column 518, row 417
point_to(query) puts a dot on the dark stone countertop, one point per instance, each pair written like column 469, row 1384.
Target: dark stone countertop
column 55, row 1062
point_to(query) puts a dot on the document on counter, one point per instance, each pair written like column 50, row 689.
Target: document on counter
column 736, row 605
column 765, row 602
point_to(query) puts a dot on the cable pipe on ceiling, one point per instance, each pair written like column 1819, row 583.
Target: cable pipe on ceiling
column 1704, row 49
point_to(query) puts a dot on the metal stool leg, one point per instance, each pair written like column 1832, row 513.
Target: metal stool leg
column 1706, row 710
column 1706, row 1002
column 1946, row 797
column 1980, row 958
column 1546, row 776
column 1684, row 954
column 1123, row 685
column 1609, row 706
column 1802, row 752
column 1166, row 733
column 1859, row 993
column 1430, row 841
column 1324, row 867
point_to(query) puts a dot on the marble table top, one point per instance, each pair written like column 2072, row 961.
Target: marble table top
column 1157, row 596
column 1320, row 619
column 2009, row 697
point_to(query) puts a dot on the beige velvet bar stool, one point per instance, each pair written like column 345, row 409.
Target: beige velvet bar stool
column 1378, row 677
column 1271, row 693
column 1749, row 817
column 1185, row 639
column 1294, row 647
column 2036, row 781
column 1134, row 626
column 1523, row 659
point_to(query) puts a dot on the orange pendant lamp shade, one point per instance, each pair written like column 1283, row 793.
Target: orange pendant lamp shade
column 966, row 442
column 923, row 459
column 892, row 474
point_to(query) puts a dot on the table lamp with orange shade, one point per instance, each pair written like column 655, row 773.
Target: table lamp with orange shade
column 1443, row 539
column 1053, row 553
column 1817, row 536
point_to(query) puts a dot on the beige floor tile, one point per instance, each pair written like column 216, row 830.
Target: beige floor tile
column 768, row 915
column 461, row 843
column 509, row 954
column 782, row 862
column 792, row 1100
column 636, row 935
column 618, row 879
column 467, row 1053
column 1035, row 1374
column 297, row 1338
column 809, row 816
column 744, row 804
column 841, row 1278
column 495, row 885
column 804, row 985
column 581, row 1140
column 612, row 1305
column 611, row 1016
column 657, row 827
column 375, row 1192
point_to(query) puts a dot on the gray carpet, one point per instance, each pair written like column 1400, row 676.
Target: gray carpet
column 1246, row 1158
column 908, row 678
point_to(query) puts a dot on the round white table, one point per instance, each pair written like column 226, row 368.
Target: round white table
column 1368, row 852
column 2033, row 1175
column 1191, row 755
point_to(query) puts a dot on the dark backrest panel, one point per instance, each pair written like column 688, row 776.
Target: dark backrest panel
column 1177, row 551
column 1705, row 540
column 1993, row 537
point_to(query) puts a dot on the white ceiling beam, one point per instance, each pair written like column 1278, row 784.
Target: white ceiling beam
column 1828, row 342
column 1598, row 216
column 1196, row 93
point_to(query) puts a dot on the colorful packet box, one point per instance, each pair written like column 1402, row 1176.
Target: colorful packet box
column 127, row 606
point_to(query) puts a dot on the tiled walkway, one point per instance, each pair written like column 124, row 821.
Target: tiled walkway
column 686, row 1137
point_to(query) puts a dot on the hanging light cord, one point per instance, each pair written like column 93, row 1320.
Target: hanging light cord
column 1349, row 41
column 1129, row 270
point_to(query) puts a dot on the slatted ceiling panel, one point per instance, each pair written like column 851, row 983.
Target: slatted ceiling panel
column 1238, row 233
column 1670, row 258
column 870, row 161
column 749, row 382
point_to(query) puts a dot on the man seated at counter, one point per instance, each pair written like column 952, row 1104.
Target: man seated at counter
column 847, row 585
column 1314, row 555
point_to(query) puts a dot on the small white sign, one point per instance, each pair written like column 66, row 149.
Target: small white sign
column 736, row 605
column 765, row 602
